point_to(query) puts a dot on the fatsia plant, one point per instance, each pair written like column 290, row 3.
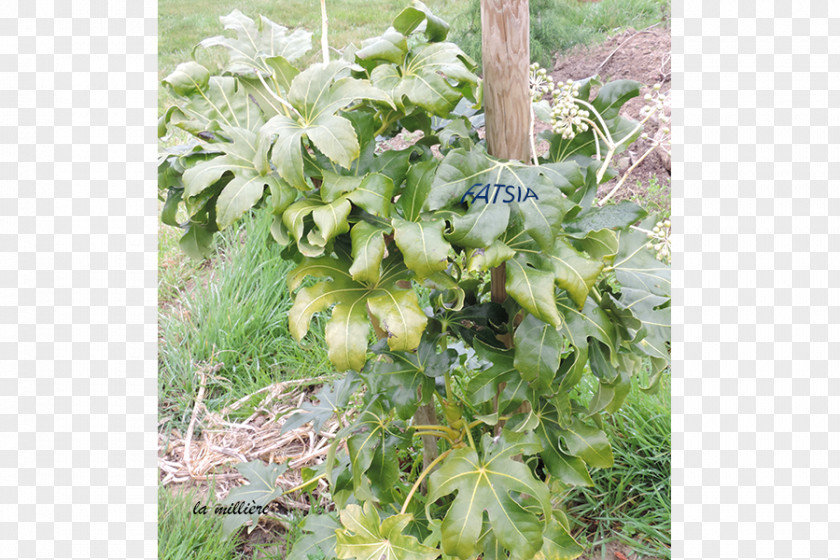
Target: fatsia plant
column 396, row 246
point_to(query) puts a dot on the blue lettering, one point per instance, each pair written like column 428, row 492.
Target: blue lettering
column 530, row 194
column 496, row 195
column 469, row 192
column 483, row 193
column 516, row 193
column 509, row 193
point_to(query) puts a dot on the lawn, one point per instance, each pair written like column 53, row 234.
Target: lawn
column 232, row 308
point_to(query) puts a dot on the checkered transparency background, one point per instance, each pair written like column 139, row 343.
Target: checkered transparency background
column 756, row 391
column 78, row 97
column 756, row 388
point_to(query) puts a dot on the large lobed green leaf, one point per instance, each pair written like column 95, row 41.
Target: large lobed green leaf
column 205, row 103
column 395, row 308
column 407, row 379
column 260, row 491
column 255, row 42
column 317, row 94
column 486, row 484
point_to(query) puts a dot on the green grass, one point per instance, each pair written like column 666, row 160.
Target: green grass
column 656, row 199
column 558, row 25
column 185, row 536
column 235, row 312
column 631, row 501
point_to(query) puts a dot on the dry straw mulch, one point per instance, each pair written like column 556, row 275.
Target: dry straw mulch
column 211, row 457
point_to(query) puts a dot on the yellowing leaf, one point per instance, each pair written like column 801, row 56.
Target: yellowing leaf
column 368, row 243
column 422, row 245
column 395, row 308
column 365, row 537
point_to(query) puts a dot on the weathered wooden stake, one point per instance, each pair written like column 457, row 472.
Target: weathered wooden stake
column 506, row 55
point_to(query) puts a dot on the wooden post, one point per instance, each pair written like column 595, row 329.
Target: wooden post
column 506, row 56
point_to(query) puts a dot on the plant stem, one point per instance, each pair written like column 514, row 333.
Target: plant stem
column 598, row 116
column 385, row 125
column 325, row 46
column 434, row 434
column 475, row 423
column 469, row 437
column 305, row 484
column 438, row 430
column 450, row 397
column 419, row 480
column 283, row 103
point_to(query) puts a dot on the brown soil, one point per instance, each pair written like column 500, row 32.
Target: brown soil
column 644, row 56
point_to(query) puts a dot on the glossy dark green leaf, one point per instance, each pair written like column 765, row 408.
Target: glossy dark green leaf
column 654, row 314
column 390, row 47
column 422, row 245
column 370, row 445
column 537, row 354
column 610, row 395
column 567, row 468
column 410, row 18
column 417, row 186
column 558, row 544
column 613, row 95
column 368, row 242
column 206, row 103
column 599, row 362
column 406, row 379
column 589, row 443
column 600, row 244
column 533, row 289
column 170, row 207
column 317, row 94
column 486, row 385
column 395, row 308
column 197, row 242
column 424, row 77
column 591, row 321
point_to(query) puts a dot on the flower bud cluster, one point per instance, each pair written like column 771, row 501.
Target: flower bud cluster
column 660, row 240
column 567, row 117
column 655, row 107
column 541, row 82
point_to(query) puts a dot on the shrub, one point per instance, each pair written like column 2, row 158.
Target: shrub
column 484, row 385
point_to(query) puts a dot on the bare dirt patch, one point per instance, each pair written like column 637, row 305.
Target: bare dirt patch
column 644, row 56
